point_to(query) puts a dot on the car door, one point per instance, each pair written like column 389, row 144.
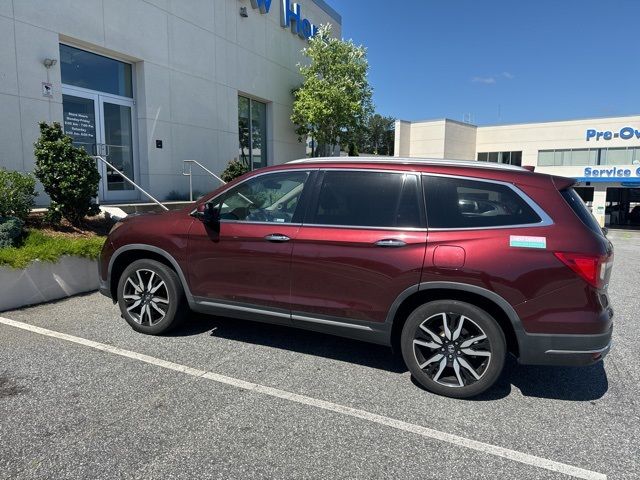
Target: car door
column 243, row 263
column 362, row 244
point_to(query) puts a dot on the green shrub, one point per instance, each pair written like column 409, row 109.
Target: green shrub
column 235, row 169
column 176, row 196
column 49, row 248
column 10, row 231
column 17, row 194
column 68, row 174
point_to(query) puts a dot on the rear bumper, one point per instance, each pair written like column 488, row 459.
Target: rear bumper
column 570, row 350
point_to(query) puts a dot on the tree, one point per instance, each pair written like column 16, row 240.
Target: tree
column 334, row 100
column 379, row 136
column 68, row 175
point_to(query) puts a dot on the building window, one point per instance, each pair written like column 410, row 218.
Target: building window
column 252, row 132
column 508, row 158
column 80, row 68
column 583, row 156
column 617, row 156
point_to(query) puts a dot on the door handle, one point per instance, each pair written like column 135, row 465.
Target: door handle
column 277, row 238
column 390, row 243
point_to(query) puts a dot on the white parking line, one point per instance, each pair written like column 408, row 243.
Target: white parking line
column 482, row 447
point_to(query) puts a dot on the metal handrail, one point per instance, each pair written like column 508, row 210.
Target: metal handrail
column 190, row 174
column 127, row 179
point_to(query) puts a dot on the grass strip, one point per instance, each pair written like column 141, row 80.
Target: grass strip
column 49, row 248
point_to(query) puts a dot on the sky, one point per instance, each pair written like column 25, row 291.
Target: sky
column 499, row 61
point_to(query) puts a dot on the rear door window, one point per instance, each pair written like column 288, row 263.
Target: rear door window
column 369, row 199
column 461, row 203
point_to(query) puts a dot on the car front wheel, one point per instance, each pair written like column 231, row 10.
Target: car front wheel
column 151, row 297
column 453, row 348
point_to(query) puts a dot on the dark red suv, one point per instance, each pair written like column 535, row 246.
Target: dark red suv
column 456, row 263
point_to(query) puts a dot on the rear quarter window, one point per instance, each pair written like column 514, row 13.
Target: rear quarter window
column 580, row 209
column 461, row 203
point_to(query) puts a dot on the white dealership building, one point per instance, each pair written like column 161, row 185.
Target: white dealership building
column 602, row 153
column 150, row 83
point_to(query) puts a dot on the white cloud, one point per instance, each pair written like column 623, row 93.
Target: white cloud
column 492, row 79
column 485, row 80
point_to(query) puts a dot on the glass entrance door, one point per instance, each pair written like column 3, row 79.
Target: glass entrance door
column 104, row 125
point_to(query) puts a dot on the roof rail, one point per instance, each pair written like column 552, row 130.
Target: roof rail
column 411, row 161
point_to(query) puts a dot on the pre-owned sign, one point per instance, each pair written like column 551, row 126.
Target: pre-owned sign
column 625, row 133
column 290, row 17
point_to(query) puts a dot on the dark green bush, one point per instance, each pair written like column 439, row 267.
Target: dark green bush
column 176, row 196
column 17, row 194
column 68, row 174
column 235, row 169
column 10, row 231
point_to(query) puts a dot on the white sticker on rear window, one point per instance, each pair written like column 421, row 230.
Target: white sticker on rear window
column 523, row 241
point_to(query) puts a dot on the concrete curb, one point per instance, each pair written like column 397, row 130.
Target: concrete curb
column 42, row 281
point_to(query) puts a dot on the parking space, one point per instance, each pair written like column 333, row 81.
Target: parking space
column 325, row 407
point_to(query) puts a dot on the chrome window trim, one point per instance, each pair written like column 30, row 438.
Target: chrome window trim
column 371, row 227
column 253, row 222
column 545, row 220
column 359, row 227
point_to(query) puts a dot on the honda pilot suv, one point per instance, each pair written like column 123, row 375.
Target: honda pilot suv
column 456, row 264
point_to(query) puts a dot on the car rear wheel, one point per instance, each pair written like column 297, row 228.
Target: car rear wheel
column 453, row 348
column 151, row 297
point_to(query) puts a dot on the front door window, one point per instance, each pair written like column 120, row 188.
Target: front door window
column 269, row 198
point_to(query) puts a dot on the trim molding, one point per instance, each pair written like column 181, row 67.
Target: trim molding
column 329, row 10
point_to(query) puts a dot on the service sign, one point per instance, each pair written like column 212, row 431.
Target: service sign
column 291, row 16
column 612, row 172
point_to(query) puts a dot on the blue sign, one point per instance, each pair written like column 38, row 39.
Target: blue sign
column 626, row 133
column 290, row 17
column 611, row 172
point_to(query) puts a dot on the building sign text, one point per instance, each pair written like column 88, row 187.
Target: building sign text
column 290, row 17
column 626, row 133
column 613, row 172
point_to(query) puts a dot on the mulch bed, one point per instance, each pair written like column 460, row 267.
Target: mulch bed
column 91, row 227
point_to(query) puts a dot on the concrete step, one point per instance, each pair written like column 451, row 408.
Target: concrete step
column 145, row 207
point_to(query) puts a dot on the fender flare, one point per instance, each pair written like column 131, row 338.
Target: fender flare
column 463, row 287
column 158, row 251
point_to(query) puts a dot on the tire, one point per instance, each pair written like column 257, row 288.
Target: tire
column 431, row 350
column 155, row 310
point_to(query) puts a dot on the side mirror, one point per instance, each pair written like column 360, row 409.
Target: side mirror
column 605, row 231
column 207, row 214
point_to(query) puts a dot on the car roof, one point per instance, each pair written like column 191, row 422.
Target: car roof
column 395, row 161
column 438, row 166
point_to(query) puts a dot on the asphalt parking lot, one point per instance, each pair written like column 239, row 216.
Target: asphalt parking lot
column 222, row 398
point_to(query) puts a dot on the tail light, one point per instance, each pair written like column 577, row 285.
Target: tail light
column 592, row 268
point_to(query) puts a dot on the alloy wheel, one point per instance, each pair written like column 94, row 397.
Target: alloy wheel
column 452, row 349
column 146, row 297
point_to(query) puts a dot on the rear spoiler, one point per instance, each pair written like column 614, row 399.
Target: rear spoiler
column 531, row 168
column 562, row 183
